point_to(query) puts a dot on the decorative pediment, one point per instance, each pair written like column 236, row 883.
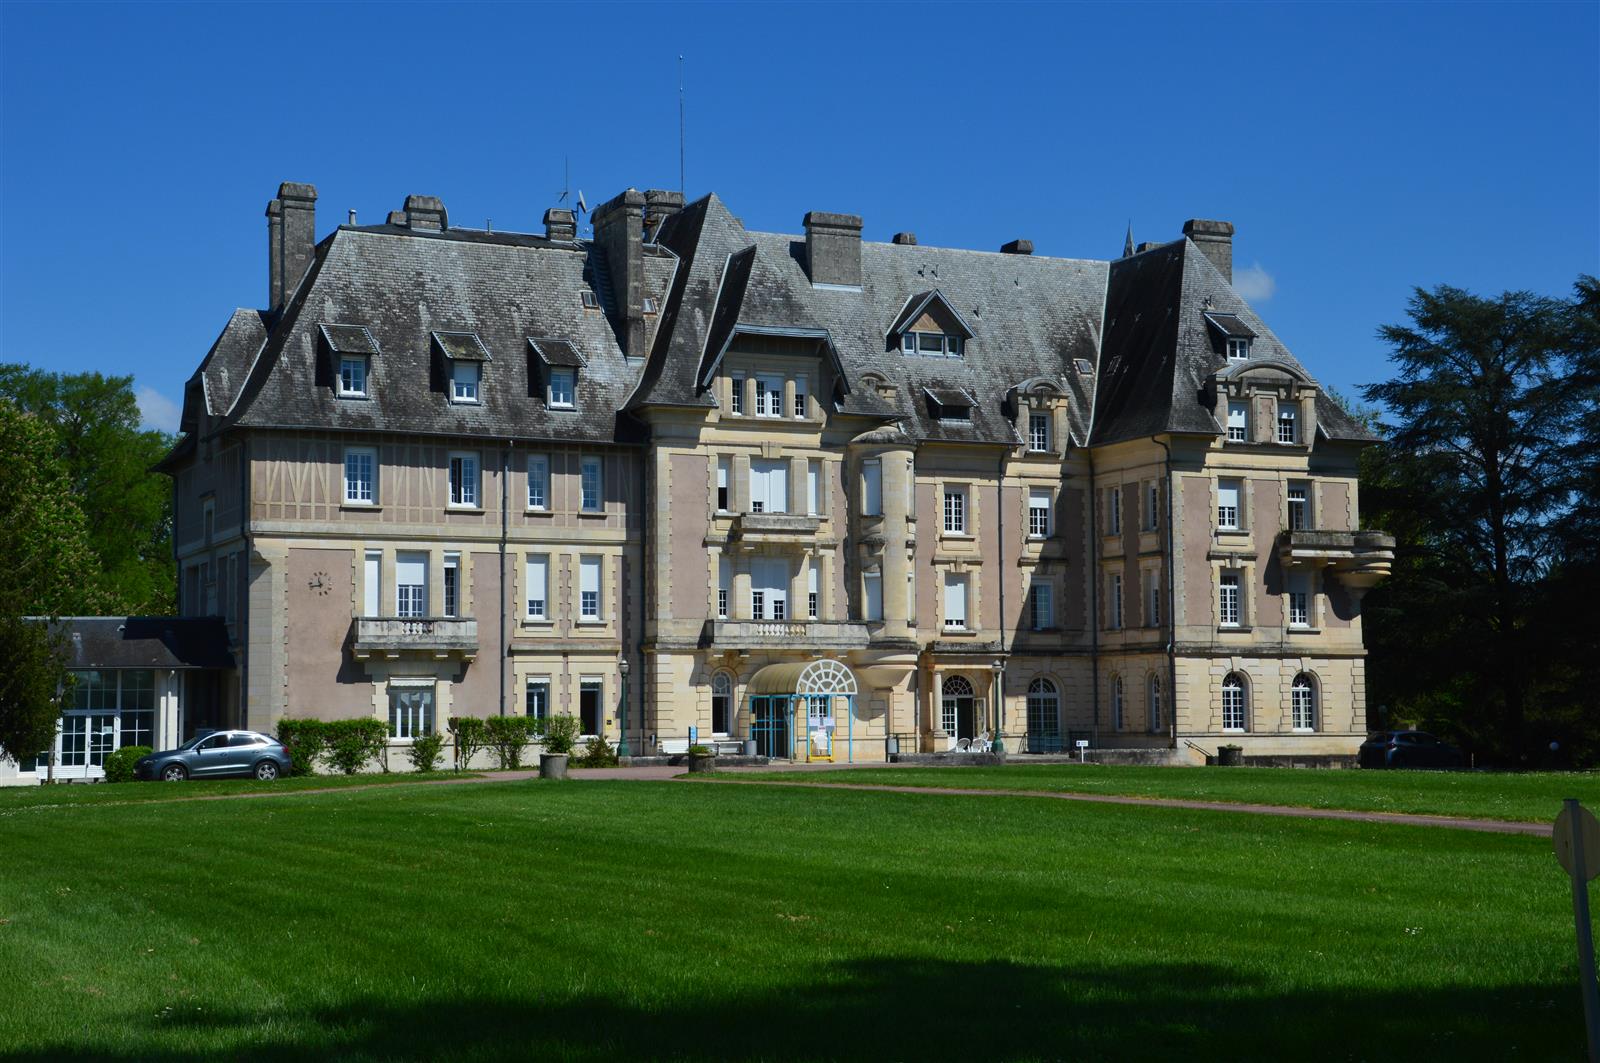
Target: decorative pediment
column 929, row 308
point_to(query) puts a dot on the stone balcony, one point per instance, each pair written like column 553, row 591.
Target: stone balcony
column 1359, row 558
column 775, row 527
column 440, row 637
column 799, row 635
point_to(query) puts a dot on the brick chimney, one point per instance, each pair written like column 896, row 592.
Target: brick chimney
column 619, row 234
column 833, row 249
column 291, row 239
column 427, row 213
column 1215, row 240
column 560, row 224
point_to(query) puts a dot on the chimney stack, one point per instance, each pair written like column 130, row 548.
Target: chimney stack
column 833, row 249
column 1215, row 240
column 291, row 237
column 1017, row 247
column 560, row 224
column 619, row 233
column 659, row 205
column 426, row 214
column 906, row 239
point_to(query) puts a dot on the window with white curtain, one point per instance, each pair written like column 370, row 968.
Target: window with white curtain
column 724, row 490
column 411, row 584
column 769, row 485
column 769, row 588
column 537, row 591
column 813, row 602
column 589, row 588
column 955, row 601
column 464, row 479
column 1228, row 505
column 1238, row 421
column 1039, row 513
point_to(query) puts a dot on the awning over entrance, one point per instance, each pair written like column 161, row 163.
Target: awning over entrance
column 803, row 677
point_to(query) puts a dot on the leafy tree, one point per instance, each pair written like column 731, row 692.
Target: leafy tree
column 108, row 458
column 1472, row 474
column 44, row 536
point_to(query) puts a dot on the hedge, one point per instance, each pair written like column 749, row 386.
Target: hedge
column 119, row 765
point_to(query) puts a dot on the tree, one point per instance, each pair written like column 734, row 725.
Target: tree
column 1482, row 414
column 44, row 537
column 108, row 458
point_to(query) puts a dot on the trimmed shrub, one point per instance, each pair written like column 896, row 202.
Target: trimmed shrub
column 469, row 736
column 508, row 736
column 306, row 741
column 424, row 752
column 119, row 765
column 560, row 734
column 598, row 754
column 352, row 744
column 698, row 750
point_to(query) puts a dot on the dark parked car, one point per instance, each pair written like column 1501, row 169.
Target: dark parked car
column 1409, row 749
column 216, row 755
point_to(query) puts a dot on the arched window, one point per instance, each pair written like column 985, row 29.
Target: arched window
column 1233, row 703
column 957, row 706
column 1116, row 702
column 721, row 703
column 1303, row 703
column 1044, row 716
column 1154, row 697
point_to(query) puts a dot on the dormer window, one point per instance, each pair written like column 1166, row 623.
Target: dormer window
column 1288, row 426
column 352, row 376
column 1238, row 349
column 1235, row 334
column 591, row 301
column 1238, row 421
column 464, row 377
column 464, row 355
column 558, row 364
column 931, row 344
column 949, row 404
column 1038, row 431
column 563, row 389
column 929, row 326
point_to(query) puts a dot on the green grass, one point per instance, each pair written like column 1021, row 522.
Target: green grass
column 1530, row 797
column 603, row 920
column 22, row 797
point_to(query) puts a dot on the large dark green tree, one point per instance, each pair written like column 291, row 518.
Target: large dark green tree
column 107, row 455
column 1474, row 476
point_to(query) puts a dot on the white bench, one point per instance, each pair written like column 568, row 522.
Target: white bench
column 677, row 747
column 674, row 747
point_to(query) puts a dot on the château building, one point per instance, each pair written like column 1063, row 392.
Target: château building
column 824, row 493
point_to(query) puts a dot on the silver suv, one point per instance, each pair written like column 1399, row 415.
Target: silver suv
column 218, row 755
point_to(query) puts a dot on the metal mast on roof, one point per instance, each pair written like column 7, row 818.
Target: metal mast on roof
column 680, row 126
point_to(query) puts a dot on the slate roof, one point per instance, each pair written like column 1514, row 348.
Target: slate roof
column 1131, row 343
column 181, row 642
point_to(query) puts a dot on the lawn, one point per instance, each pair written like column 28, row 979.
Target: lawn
column 21, row 797
column 1531, row 797
column 609, row 919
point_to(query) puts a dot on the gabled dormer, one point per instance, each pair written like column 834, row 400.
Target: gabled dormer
column 461, row 357
column 1230, row 336
column 1266, row 402
column 349, row 352
column 554, row 367
column 928, row 326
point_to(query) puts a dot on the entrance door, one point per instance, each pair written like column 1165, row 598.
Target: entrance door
column 959, row 708
column 770, row 725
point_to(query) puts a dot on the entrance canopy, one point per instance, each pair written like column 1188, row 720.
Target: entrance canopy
column 803, row 677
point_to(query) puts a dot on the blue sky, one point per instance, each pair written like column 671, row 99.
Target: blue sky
column 1361, row 149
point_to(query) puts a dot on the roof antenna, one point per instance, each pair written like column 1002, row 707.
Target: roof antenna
column 680, row 126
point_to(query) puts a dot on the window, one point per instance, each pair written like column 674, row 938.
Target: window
column 955, row 602
column 1153, row 699
column 1038, row 432
column 908, row 342
column 538, row 697
column 1114, row 511
column 930, row 342
column 1114, row 602
column 464, row 480
column 360, row 476
column 1041, row 610
column 589, row 699
column 953, row 346
column 956, row 695
column 1152, row 506
column 1233, row 711
column 1228, row 505
column 1044, row 716
column 593, row 485
column 1299, row 601
column 1303, row 704
column 814, row 487
column 1117, row 717
column 590, row 300
column 372, row 572
column 872, row 487
column 537, row 589
column 1238, row 421
column 1238, row 349
column 955, row 510
column 1288, row 429
column 724, row 585
column 769, row 396
column 589, row 588
column 538, row 482
column 452, row 585
column 1228, row 600
column 769, row 486
column 352, row 377
column 736, row 394
column 721, row 703
column 464, row 381
column 563, row 389
column 872, row 596
column 410, row 584
column 724, row 474
column 769, row 589
column 1152, row 603
column 1299, row 508
column 410, row 709
column 137, row 707
column 812, row 595
column 1039, row 513
column 208, row 520
column 800, row 398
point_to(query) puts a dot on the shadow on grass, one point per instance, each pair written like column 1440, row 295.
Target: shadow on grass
column 895, row 1009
